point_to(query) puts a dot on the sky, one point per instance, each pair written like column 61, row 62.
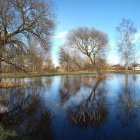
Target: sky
column 104, row 15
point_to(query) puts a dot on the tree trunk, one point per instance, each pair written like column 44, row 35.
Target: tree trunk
column 0, row 59
column 98, row 70
column 126, row 65
column 94, row 60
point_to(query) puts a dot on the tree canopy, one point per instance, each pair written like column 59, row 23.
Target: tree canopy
column 23, row 22
column 125, row 40
column 90, row 42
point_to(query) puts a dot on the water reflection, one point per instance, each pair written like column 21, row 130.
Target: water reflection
column 69, row 87
column 91, row 110
column 128, row 102
column 73, row 107
column 25, row 112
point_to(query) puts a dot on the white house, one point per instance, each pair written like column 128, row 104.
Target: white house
column 136, row 67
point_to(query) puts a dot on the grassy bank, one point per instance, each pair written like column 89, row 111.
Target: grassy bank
column 123, row 71
column 24, row 75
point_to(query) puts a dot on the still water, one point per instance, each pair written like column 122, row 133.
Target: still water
column 76, row 107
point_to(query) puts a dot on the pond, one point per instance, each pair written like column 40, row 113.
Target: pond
column 72, row 107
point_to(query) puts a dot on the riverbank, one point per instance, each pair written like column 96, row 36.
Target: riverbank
column 30, row 75
column 26, row 75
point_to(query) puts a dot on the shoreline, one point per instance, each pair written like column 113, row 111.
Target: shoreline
column 31, row 75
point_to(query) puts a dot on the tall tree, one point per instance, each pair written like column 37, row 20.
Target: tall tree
column 125, row 40
column 90, row 42
column 23, row 22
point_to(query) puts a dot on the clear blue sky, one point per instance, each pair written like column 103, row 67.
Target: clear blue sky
column 104, row 15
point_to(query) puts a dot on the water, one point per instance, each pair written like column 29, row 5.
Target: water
column 72, row 107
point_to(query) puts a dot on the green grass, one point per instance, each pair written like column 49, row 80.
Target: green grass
column 23, row 75
column 6, row 133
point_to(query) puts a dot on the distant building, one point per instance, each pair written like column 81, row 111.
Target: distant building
column 136, row 67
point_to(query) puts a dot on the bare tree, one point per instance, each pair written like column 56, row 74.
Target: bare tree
column 69, row 59
column 34, row 59
column 48, row 65
column 90, row 42
column 23, row 22
column 125, row 40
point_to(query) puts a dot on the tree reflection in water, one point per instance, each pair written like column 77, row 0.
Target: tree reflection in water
column 91, row 110
column 26, row 113
column 81, row 107
column 127, row 102
column 69, row 87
